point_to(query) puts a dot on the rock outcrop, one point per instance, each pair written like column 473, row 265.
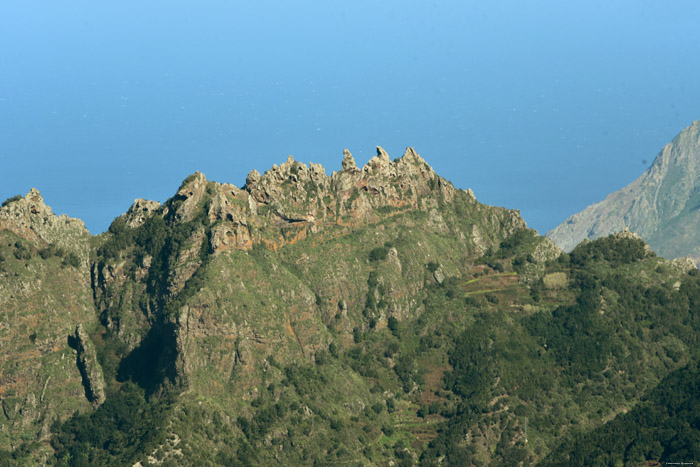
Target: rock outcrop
column 141, row 210
column 31, row 219
column 44, row 292
column 93, row 380
column 184, row 205
column 291, row 200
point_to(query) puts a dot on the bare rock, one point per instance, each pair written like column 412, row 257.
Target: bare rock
column 186, row 263
column 230, row 236
column 93, row 380
column 546, row 250
column 685, row 264
column 439, row 276
column 291, row 200
column 253, row 178
column 348, row 161
column 318, row 174
column 141, row 210
column 31, row 219
column 659, row 205
column 382, row 154
column 183, row 206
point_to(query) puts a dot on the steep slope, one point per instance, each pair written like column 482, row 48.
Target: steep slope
column 663, row 426
column 45, row 295
column 661, row 205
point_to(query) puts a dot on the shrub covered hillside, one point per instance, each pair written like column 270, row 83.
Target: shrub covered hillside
column 377, row 316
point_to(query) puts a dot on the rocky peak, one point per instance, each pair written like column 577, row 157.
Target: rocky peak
column 317, row 172
column 678, row 153
column 292, row 198
column 141, row 210
column 627, row 234
column 412, row 156
column 193, row 186
column 183, row 206
column 253, row 178
column 30, row 218
column 378, row 162
column 348, row 161
column 382, row 155
column 32, row 203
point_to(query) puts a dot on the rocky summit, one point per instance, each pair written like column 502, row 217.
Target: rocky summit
column 661, row 205
column 374, row 316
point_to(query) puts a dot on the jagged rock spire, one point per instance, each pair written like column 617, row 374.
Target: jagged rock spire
column 382, row 154
column 348, row 160
column 252, row 178
column 412, row 156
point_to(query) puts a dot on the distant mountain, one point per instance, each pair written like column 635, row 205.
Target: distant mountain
column 662, row 206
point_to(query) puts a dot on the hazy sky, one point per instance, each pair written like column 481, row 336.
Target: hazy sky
column 543, row 106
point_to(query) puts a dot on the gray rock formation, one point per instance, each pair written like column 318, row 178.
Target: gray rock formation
column 184, row 204
column 298, row 199
column 141, row 210
column 661, row 205
column 93, row 380
column 31, row 219
column 348, row 161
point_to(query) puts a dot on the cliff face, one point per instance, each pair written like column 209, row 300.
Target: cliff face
column 661, row 205
column 44, row 294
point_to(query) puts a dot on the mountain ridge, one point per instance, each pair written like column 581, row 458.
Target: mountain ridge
column 374, row 316
column 660, row 205
column 135, row 282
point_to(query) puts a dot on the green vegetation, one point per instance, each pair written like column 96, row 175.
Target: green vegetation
column 482, row 359
column 12, row 199
column 663, row 427
column 378, row 254
column 615, row 251
column 125, row 427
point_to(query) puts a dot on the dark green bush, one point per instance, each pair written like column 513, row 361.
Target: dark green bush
column 22, row 252
column 393, row 325
column 378, row 254
column 612, row 249
column 71, row 260
column 124, row 426
column 11, row 200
